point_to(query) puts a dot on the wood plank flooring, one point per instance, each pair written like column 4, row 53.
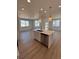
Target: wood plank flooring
column 32, row 49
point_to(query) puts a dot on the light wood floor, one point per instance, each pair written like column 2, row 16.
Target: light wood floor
column 31, row 49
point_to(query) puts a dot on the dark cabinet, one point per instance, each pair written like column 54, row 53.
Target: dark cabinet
column 44, row 39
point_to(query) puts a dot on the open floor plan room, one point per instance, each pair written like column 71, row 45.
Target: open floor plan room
column 39, row 29
column 32, row 49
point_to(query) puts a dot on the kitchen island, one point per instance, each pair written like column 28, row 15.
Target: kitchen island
column 44, row 36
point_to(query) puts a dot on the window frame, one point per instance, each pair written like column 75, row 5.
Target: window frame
column 37, row 23
column 56, row 23
column 25, row 23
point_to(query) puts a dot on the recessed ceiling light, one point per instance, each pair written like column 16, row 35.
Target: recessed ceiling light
column 59, row 6
column 41, row 9
column 22, row 9
column 28, row 1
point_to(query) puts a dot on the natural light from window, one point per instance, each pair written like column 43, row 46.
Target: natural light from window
column 24, row 23
column 56, row 23
column 37, row 23
column 46, row 25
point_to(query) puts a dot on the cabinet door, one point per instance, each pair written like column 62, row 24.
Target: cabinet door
column 37, row 36
column 44, row 39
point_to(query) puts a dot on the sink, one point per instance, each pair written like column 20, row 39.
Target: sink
column 39, row 30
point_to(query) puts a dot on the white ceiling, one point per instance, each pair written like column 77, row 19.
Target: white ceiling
column 31, row 10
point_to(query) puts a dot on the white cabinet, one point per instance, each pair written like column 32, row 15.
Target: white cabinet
column 37, row 35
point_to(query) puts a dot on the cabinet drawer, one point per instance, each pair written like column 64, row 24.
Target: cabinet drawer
column 44, row 39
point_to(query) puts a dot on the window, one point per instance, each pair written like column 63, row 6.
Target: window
column 46, row 25
column 27, row 23
column 56, row 23
column 24, row 23
column 37, row 23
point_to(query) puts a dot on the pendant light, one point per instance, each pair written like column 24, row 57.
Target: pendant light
column 28, row 1
column 50, row 15
column 41, row 14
